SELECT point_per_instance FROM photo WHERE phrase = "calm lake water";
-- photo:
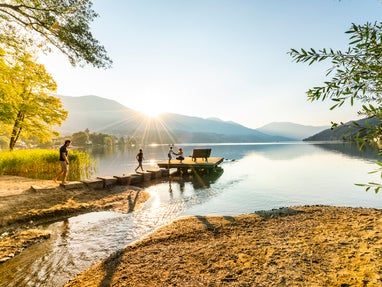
(265, 176)
(253, 177)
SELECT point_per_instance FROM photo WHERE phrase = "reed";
(44, 164)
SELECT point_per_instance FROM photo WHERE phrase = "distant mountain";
(291, 130)
(107, 116)
(97, 114)
(344, 132)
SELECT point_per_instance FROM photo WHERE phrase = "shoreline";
(23, 209)
(291, 246)
(294, 246)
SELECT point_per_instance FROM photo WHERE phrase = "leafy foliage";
(357, 71)
(27, 107)
(63, 24)
(356, 76)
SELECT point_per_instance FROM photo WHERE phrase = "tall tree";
(63, 24)
(31, 111)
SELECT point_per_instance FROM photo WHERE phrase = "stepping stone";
(43, 188)
(146, 175)
(108, 180)
(123, 179)
(155, 173)
(72, 184)
(95, 183)
(136, 178)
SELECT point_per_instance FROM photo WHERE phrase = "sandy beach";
(299, 246)
(23, 208)
(292, 246)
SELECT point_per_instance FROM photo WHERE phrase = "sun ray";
(145, 130)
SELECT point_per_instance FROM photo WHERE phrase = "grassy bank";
(44, 164)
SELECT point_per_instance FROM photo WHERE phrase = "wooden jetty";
(190, 165)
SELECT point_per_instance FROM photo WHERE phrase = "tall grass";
(44, 164)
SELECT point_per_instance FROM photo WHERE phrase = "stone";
(72, 184)
(108, 180)
(156, 173)
(165, 172)
(96, 183)
(43, 188)
(146, 175)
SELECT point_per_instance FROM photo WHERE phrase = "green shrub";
(44, 164)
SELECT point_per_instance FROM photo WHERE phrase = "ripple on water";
(81, 241)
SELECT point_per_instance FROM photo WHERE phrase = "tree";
(357, 77)
(358, 73)
(24, 95)
(63, 24)
(80, 138)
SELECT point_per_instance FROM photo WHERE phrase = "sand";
(22, 208)
(293, 246)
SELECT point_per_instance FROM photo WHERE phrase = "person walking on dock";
(139, 158)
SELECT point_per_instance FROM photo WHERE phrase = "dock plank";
(189, 163)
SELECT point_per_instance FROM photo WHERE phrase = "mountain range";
(345, 132)
(108, 116)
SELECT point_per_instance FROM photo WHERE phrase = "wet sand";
(22, 208)
(294, 246)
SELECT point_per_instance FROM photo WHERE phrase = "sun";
(153, 108)
(150, 107)
(152, 112)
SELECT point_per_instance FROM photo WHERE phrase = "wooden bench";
(201, 153)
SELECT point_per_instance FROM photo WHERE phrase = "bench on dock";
(201, 153)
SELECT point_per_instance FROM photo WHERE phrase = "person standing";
(169, 154)
(64, 161)
(139, 158)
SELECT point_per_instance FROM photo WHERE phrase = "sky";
(223, 59)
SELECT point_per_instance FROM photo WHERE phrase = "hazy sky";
(216, 58)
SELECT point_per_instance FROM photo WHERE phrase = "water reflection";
(198, 181)
(81, 241)
(255, 177)
(122, 160)
(351, 149)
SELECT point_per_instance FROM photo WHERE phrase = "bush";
(44, 164)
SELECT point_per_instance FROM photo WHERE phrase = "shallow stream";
(79, 242)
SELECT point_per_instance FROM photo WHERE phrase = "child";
(139, 158)
(170, 153)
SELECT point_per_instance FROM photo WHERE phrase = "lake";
(264, 176)
(252, 177)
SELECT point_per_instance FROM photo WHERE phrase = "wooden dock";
(199, 166)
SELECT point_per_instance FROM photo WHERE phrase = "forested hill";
(345, 132)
